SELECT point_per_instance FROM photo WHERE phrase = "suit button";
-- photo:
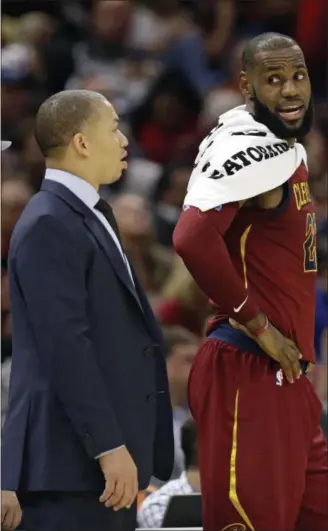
(148, 351)
(151, 398)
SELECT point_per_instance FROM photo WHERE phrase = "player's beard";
(263, 115)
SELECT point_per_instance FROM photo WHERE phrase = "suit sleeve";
(199, 240)
(51, 273)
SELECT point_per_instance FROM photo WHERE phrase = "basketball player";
(248, 236)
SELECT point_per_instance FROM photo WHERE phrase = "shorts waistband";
(238, 339)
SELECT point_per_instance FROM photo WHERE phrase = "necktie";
(107, 212)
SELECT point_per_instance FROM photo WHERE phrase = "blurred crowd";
(170, 68)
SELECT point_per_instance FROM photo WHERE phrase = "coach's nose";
(123, 140)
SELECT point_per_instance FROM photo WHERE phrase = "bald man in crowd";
(89, 417)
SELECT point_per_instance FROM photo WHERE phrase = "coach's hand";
(11, 513)
(278, 347)
(121, 479)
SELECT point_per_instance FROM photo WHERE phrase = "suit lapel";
(112, 253)
(147, 310)
(120, 268)
(98, 230)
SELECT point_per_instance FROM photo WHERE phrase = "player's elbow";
(181, 242)
(184, 235)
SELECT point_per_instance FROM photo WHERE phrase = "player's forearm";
(201, 245)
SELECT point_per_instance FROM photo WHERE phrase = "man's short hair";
(265, 42)
(189, 443)
(62, 116)
(177, 335)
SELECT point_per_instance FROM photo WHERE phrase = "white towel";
(239, 159)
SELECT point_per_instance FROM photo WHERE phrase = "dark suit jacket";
(87, 371)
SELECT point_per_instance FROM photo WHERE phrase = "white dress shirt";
(90, 197)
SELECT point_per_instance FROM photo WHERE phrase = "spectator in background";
(167, 123)
(31, 158)
(226, 95)
(106, 41)
(17, 82)
(168, 197)
(151, 261)
(184, 304)
(106, 61)
(158, 25)
(152, 510)
(321, 330)
(260, 16)
(199, 54)
(52, 46)
(12, 205)
(15, 194)
(180, 347)
(6, 343)
(11, 513)
(322, 302)
(311, 33)
(5, 381)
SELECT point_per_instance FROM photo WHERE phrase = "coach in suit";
(89, 417)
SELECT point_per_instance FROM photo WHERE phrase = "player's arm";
(199, 240)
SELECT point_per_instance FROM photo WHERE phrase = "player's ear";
(245, 86)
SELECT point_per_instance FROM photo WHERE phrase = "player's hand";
(121, 479)
(278, 347)
(11, 512)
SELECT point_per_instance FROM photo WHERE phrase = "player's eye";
(299, 76)
(274, 80)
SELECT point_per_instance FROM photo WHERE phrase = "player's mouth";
(291, 113)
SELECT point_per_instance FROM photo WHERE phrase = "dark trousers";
(62, 511)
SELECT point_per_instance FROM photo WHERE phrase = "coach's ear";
(245, 86)
(79, 143)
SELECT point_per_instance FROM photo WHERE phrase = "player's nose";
(289, 89)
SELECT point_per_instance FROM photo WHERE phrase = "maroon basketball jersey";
(274, 251)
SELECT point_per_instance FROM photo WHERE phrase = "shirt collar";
(79, 187)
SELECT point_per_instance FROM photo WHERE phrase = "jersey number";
(310, 248)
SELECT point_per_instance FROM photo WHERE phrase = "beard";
(263, 115)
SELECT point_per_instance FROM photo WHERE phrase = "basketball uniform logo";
(279, 377)
(234, 527)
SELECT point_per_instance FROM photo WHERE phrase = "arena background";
(170, 68)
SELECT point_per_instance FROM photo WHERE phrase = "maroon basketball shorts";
(263, 457)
